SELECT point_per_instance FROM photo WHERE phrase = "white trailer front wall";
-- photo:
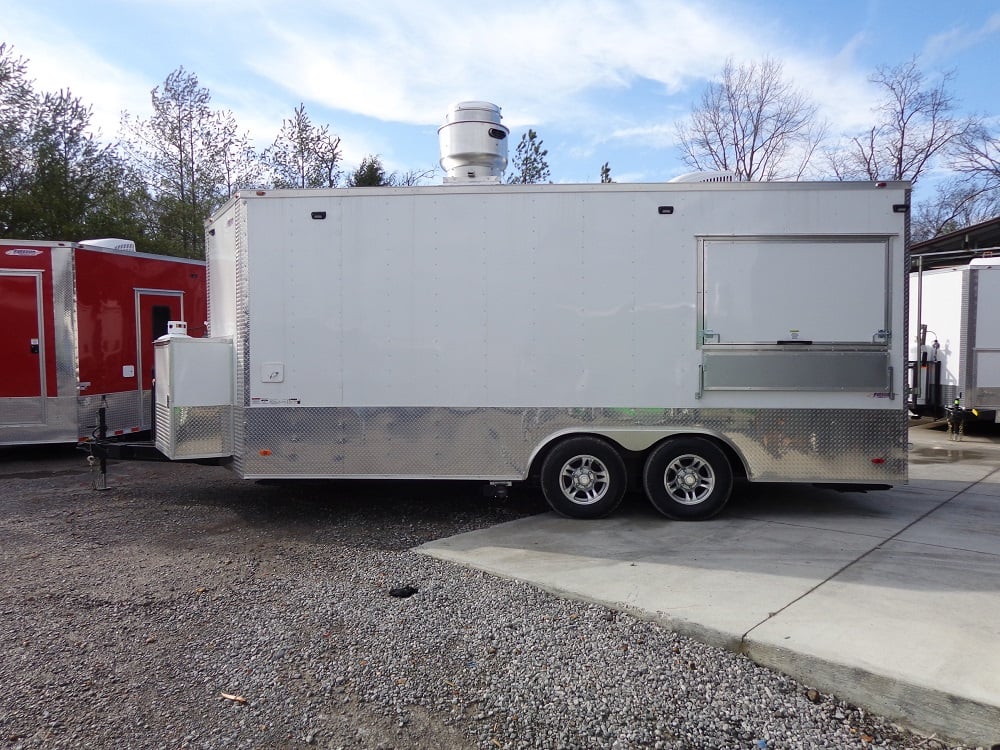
(451, 331)
(936, 302)
(221, 246)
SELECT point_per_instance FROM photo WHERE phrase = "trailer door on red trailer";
(153, 309)
(23, 352)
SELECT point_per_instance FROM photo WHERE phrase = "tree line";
(165, 174)
(753, 123)
(162, 177)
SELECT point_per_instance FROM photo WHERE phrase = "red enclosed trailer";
(78, 325)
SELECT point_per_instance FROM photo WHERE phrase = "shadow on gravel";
(187, 505)
(16, 455)
(374, 514)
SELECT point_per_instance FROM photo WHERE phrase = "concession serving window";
(794, 313)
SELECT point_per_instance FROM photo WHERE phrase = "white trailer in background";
(955, 341)
(676, 335)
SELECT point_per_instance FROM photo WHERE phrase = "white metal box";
(194, 397)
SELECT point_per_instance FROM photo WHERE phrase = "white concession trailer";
(673, 336)
(955, 340)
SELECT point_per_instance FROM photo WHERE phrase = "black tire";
(688, 479)
(583, 477)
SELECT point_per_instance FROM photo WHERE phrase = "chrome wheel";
(689, 479)
(584, 480)
(583, 477)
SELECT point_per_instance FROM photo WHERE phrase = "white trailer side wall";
(518, 298)
(453, 331)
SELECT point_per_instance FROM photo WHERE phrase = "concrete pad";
(877, 513)
(714, 581)
(891, 600)
(911, 631)
(969, 523)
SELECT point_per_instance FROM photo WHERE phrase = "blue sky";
(600, 81)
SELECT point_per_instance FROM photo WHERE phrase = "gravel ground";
(185, 608)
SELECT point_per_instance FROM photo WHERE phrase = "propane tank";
(175, 329)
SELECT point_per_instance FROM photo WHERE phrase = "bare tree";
(606, 173)
(915, 126)
(241, 165)
(958, 202)
(412, 177)
(752, 122)
(976, 156)
(304, 155)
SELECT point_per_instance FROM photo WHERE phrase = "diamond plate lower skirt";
(499, 444)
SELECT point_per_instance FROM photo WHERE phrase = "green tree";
(304, 155)
(529, 163)
(180, 151)
(370, 173)
(16, 102)
(606, 173)
(71, 171)
(752, 122)
(58, 180)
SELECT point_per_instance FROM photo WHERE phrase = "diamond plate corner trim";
(967, 336)
(64, 322)
(241, 340)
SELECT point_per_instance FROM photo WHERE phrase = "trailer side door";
(22, 349)
(153, 309)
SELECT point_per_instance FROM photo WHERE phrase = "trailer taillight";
(265, 452)
(878, 461)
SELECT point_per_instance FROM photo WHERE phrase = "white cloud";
(945, 45)
(539, 61)
(614, 73)
(76, 64)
